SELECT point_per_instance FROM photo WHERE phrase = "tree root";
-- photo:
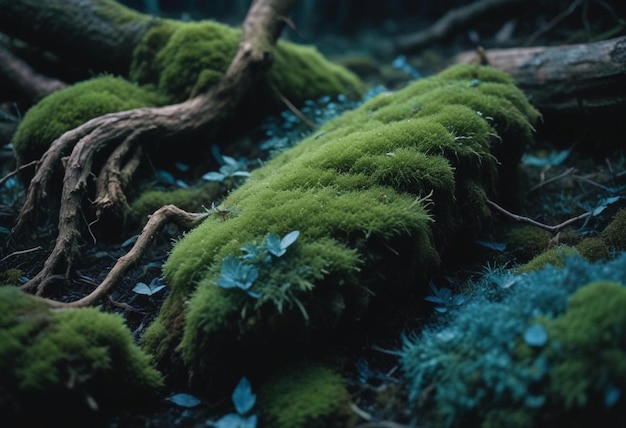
(125, 132)
(161, 217)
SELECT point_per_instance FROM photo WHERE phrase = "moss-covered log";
(378, 196)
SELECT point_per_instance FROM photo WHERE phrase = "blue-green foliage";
(288, 129)
(242, 271)
(243, 399)
(468, 354)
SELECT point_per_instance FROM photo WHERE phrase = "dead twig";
(552, 229)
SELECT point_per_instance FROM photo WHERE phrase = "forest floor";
(557, 182)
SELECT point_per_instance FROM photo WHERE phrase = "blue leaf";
(289, 239)
(182, 167)
(272, 242)
(233, 420)
(498, 246)
(4, 230)
(237, 274)
(243, 398)
(213, 176)
(184, 400)
(142, 288)
(535, 336)
(230, 161)
(612, 396)
(129, 241)
(165, 176)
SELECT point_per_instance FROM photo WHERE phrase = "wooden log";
(580, 89)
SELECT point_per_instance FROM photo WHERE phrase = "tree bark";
(101, 34)
(578, 88)
(131, 129)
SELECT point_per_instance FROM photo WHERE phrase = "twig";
(552, 179)
(17, 253)
(554, 22)
(308, 122)
(161, 217)
(552, 229)
(12, 173)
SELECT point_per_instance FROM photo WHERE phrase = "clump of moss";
(374, 195)
(554, 256)
(68, 108)
(615, 233)
(69, 364)
(10, 277)
(589, 361)
(190, 199)
(593, 249)
(526, 241)
(306, 396)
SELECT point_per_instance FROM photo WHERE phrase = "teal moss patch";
(68, 108)
(60, 365)
(375, 195)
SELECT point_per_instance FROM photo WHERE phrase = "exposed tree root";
(125, 132)
(161, 217)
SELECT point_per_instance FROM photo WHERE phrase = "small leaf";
(165, 176)
(182, 167)
(4, 230)
(129, 241)
(240, 174)
(289, 239)
(498, 246)
(243, 398)
(612, 396)
(184, 400)
(142, 288)
(535, 336)
(213, 176)
(228, 160)
(233, 420)
(272, 242)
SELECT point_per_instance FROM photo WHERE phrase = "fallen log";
(580, 89)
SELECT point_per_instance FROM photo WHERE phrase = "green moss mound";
(615, 233)
(69, 364)
(309, 396)
(589, 363)
(182, 59)
(375, 195)
(66, 109)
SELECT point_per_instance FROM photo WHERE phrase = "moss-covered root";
(310, 396)
(68, 365)
(588, 362)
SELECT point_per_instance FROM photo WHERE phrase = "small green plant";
(444, 299)
(230, 170)
(150, 289)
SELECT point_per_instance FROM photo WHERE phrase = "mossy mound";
(182, 59)
(376, 195)
(309, 396)
(615, 233)
(66, 365)
(66, 109)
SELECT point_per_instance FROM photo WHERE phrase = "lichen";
(83, 358)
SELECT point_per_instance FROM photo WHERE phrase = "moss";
(10, 277)
(554, 256)
(615, 233)
(190, 199)
(526, 241)
(306, 396)
(83, 358)
(593, 249)
(375, 195)
(182, 59)
(589, 358)
(68, 108)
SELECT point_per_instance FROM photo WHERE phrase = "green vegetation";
(62, 365)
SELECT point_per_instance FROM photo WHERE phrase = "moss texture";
(309, 396)
(176, 60)
(182, 59)
(376, 197)
(66, 109)
(615, 233)
(84, 359)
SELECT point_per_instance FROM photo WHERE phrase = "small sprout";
(536, 336)
(255, 253)
(184, 400)
(444, 299)
(236, 274)
(154, 287)
(230, 169)
(474, 82)
(278, 246)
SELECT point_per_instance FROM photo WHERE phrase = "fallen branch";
(455, 21)
(131, 129)
(163, 216)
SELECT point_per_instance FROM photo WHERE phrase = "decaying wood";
(457, 20)
(131, 129)
(161, 217)
(583, 84)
